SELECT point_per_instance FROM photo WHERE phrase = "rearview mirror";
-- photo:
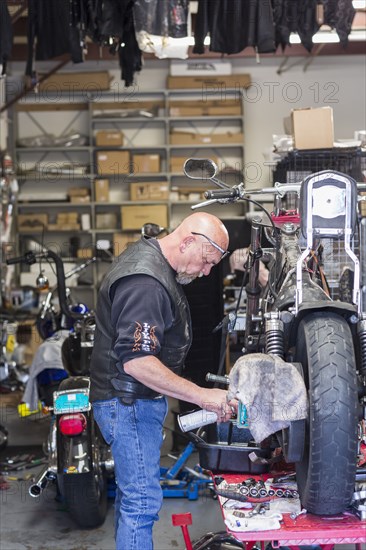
(200, 169)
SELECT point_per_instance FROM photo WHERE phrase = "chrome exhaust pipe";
(44, 477)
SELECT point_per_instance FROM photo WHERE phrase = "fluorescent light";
(320, 38)
(324, 37)
(189, 40)
(357, 35)
(359, 4)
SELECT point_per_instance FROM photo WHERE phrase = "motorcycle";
(314, 321)
(79, 460)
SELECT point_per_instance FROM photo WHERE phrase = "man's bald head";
(208, 224)
(195, 246)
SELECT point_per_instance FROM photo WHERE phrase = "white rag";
(272, 391)
(47, 356)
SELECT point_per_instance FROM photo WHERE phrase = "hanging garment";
(234, 25)
(49, 32)
(117, 23)
(6, 36)
(298, 16)
(162, 26)
(161, 17)
(339, 15)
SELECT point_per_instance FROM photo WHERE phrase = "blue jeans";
(135, 434)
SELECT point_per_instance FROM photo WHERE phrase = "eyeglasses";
(215, 245)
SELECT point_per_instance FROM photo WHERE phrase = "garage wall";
(338, 81)
(333, 80)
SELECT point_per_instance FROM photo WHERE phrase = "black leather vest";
(108, 378)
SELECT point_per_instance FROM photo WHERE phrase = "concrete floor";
(44, 524)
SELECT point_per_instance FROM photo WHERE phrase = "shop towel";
(272, 390)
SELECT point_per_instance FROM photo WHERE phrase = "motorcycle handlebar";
(233, 193)
(17, 260)
(28, 258)
(31, 258)
(217, 378)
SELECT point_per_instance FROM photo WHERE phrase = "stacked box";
(149, 191)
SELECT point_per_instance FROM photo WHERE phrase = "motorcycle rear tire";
(326, 474)
(86, 494)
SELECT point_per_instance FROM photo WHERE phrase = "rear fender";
(75, 453)
(343, 309)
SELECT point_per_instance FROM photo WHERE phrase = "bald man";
(143, 334)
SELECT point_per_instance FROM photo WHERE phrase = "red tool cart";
(292, 528)
(305, 529)
(295, 530)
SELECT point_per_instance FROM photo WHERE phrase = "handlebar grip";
(16, 260)
(217, 378)
(28, 258)
(232, 193)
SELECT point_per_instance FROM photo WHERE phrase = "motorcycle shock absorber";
(361, 330)
(275, 337)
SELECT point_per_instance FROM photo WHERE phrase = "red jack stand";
(183, 520)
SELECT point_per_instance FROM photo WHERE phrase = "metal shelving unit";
(142, 134)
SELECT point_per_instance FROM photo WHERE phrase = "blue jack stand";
(180, 481)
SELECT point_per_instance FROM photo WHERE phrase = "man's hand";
(216, 400)
(151, 372)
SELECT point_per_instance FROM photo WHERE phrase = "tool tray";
(226, 448)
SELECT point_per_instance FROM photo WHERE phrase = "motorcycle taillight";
(72, 424)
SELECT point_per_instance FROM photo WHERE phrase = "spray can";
(195, 419)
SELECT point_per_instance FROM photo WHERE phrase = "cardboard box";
(79, 195)
(146, 163)
(134, 217)
(29, 223)
(362, 204)
(84, 253)
(122, 240)
(106, 221)
(149, 191)
(206, 107)
(193, 138)
(76, 199)
(113, 162)
(78, 191)
(313, 128)
(89, 81)
(110, 138)
(200, 67)
(67, 217)
(101, 190)
(64, 227)
(177, 162)
(235, 81)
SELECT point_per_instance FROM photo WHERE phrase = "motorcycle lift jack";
(181, 481)
(178, 481)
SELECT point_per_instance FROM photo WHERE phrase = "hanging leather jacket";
(297, 16)
(339, 15)
(117, 22)
(6, 35)
(161, 17)
(49, 24)
(234, 25)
